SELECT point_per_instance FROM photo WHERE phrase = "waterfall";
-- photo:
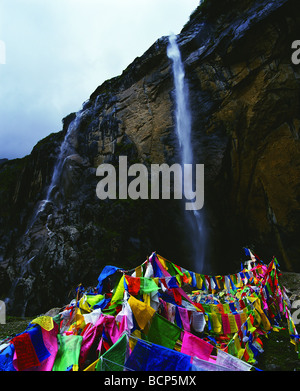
(183, 120)
(67, 148)
(182, 114)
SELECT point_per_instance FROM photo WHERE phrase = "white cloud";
(59, 51)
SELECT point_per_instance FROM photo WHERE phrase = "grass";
(14, 325)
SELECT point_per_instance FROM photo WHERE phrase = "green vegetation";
(14, 325)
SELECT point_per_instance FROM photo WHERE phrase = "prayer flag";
(106, 272)
(26, 356)
(195, 346)
(114, 358)
(67, 356)
(162, 332)
(163, 359)
(142, 312)
(46, 322)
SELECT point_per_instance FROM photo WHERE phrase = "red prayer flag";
(177, 296)
(26, 355)
(134, 284)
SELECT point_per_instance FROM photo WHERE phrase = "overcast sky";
(58, 51)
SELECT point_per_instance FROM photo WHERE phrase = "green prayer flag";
(114, 358)
(148, 285)
(171, 269)
(111, 309)
(162, 332)
(177, 270)
(94, 299)
(68, 353)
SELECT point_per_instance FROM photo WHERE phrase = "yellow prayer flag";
(91, 367)
(293, 342)
(142, 312)
(138, 271)
(239, 282)
(239, 294)
(251, 328)
(146, 298)
(132, 340)
(232, 323)
(216, 324)
(237, 343)
(178, 279)
(162, 261)
(79, 319)
(251, 359)
(264, 320)
(256, 305)
(243, 317)
(226, 308)
(257, 317)
(215, 308)
(83, 304)
(156, 280)
(241, 353)
(198, 280)
(118, 295)
(46, 322)
(219, 282)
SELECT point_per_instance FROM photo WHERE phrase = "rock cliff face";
(244, 92)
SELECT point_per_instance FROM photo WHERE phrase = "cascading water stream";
(67, 148)
(183, 116)
(183, 129)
